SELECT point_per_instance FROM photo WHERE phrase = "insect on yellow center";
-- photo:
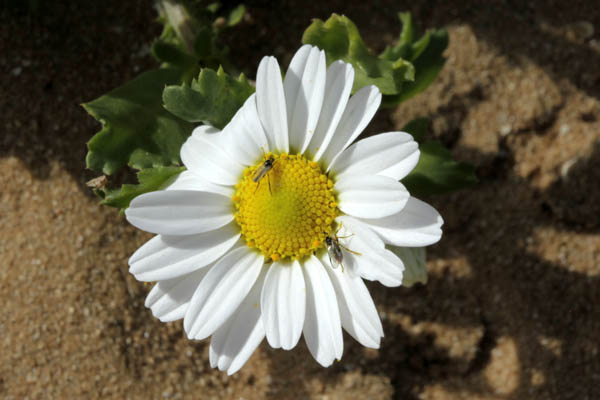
(285, 212)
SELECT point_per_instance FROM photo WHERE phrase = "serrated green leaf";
(428, 63)
(402, 48)
(417, 128)
(149, 179)
(340, 39)
(426, 57)
(212, 98)
(236, 15)
(137, 131)
(438, 173)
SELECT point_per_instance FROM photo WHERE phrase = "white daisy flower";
(279, 218)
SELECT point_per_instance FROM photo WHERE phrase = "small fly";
(334, 248)
(263, 170)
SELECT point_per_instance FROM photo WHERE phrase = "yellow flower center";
(283, 206)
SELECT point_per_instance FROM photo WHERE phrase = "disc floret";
(285, 213)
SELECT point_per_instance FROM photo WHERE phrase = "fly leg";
(257, 185)
(269, 180)
(351, 251)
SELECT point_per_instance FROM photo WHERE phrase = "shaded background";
(512, 307)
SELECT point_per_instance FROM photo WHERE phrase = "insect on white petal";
(334, 248)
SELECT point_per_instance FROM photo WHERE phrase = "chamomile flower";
(244, 236)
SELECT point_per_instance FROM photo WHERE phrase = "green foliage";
(137, 131)
(174, 48)
(236, 15)
(425, 55)
(340, 39)
(150, 179)
(438, 173)
(417, 128)
(146, 121)
(399, 72)
(212, 98)
(415, 266)
(190, 33)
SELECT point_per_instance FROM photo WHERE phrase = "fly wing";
(335, 255)
(259, 173)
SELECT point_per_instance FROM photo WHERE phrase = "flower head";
(279, 218)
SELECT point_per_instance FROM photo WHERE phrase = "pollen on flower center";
(285, 213)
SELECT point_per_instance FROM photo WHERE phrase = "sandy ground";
(512, 308)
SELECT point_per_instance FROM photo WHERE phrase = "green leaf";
(438, 173)
(212, 98)
(417, 128)
(408, 32)
(402, 47)
(340, 39)
(178, 43)
(400, 72)
(426, 57)
(415, 265)
(150, 179)
(236, 15)
(174, 56)
(203, 44)
(180, 27)
(428, 62)
(137, 131)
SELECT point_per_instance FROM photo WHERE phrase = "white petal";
(283, 304)
(234, 342)
(167, 257)
(169, 299)
(357, 311)
(203, 154)
(416, 225)
(415, 267)
(304, 87)
(222, 291)
(245, 136)
(179, 212)
(375, 262)
(370, 196)
(270, 103)
(322, 327)
(358, 113)
(392, 154)
(339, 80)
(187, 180)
